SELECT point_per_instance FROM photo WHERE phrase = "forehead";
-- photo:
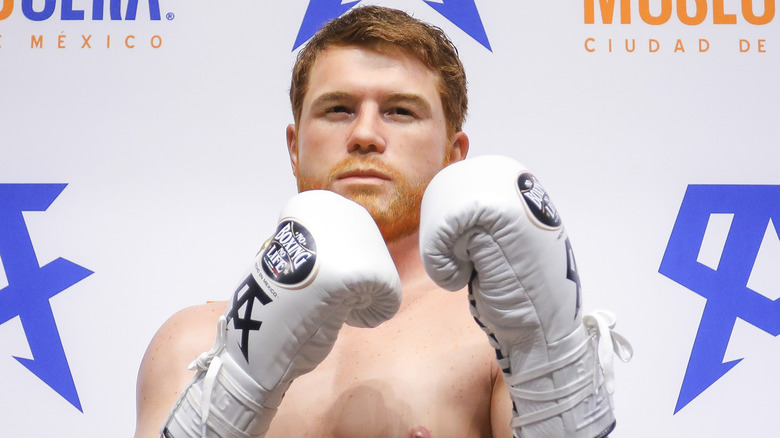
(374, 69)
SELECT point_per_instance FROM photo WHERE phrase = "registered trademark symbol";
(170, 16)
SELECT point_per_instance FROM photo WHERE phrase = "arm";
(500, 406)
(163, 371)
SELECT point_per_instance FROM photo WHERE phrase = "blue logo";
(30, 286)
(462, 13)
(36, 12)
(725, 288)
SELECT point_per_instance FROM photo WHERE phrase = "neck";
(406, 256)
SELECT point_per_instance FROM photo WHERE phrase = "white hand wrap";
(326, 264)
(488, 223)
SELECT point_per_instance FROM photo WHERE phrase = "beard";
(397, 213)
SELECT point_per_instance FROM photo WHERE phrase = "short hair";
(377, 27)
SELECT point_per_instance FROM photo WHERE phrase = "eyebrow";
(330, 97)
(416, 100)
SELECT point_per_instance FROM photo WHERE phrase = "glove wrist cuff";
(563, 391)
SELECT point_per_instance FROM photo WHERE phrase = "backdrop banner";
(143, 162)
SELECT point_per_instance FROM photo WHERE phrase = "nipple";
(419, 432)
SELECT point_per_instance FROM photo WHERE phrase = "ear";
(292, 147)
(459, 147)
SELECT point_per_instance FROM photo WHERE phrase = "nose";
(367, 135)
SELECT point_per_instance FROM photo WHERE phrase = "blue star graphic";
(30, 286)
(462, 13)
(725, 289)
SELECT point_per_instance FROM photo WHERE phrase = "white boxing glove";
(326, 264)
(488, 223)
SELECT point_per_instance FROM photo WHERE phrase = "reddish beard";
(397, 214)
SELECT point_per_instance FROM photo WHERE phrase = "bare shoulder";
(187, 326)
(182, 337)
(163, 372)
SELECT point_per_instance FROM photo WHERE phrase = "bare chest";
(411, 377)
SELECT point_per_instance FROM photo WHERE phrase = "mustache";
(368, 165)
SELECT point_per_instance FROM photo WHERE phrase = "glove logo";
(538, 201)
(573, 275)
(290, 256)
(755, 212)
(247, 293)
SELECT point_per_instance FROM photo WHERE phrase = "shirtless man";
(378, 101)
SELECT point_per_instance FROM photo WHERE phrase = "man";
(378, 100)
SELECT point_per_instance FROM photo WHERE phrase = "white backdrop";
(175, 164)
